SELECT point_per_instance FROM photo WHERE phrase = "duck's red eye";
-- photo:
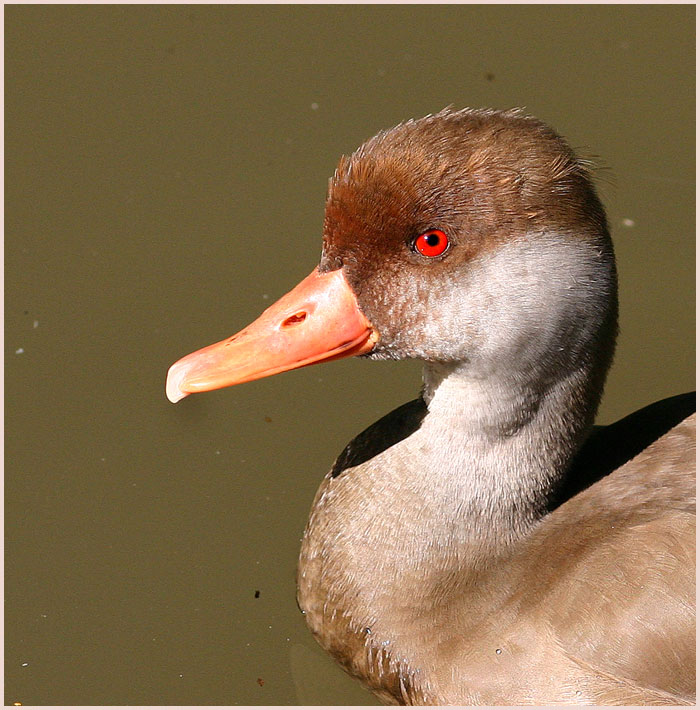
(431, 243)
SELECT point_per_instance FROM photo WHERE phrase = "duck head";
(470, 239)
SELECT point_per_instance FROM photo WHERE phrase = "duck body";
(484, 544)
(593, 605)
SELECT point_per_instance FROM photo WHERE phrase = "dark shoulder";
(610, 447)
(383, 434)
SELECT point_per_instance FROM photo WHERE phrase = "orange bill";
(318, 320)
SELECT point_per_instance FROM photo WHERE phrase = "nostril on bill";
(295, 319)
(232, 339)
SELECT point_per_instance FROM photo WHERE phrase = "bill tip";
(173, 384)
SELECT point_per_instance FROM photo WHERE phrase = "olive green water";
(166, 169)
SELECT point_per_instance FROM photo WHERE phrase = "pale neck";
(505, 443)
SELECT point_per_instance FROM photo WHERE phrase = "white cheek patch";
(524, 301)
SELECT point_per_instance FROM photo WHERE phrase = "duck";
(485, 543)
